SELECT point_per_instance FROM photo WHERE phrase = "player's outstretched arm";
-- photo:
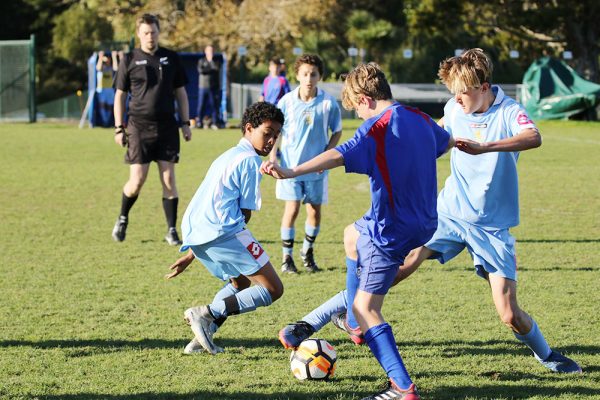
(327, 160)
(180, 265)
(525, 140)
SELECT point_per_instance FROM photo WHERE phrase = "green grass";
(84, 317)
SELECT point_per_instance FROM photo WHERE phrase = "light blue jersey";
(305, 133)
(483, 189)
(231, 183)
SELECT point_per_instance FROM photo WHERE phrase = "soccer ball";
(313, 359)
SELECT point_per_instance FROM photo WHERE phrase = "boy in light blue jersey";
(396, 147)
(479, 202)
(310, 114)
(214, 230)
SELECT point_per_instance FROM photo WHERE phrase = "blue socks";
(351, 288)
(383, 346)
(534, 339)
(244, 301)
(320, 316)
(310, 235)
(287, 241)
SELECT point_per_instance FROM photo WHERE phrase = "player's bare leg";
(525, 329)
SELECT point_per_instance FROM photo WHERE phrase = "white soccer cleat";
(193, 347)
(200, 320)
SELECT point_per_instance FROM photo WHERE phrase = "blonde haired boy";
(396, 147)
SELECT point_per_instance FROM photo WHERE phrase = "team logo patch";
(255, 249)
(523, 119)
(164, 60)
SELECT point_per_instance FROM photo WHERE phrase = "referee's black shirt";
(151, 81)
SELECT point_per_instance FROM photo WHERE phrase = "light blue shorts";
(311, 192)
(492, 251)
(231, 257)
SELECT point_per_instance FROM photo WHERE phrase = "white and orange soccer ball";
(313, 359)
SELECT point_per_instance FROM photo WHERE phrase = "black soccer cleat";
(308, 259)
(288, 265)
(120, 229)
(172, 237)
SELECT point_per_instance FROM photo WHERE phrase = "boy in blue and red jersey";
(275, 85)
(396, 147)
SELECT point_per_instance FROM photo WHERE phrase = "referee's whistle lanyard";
(159, 72)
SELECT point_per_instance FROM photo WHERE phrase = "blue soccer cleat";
(292, 335)
(556, 362)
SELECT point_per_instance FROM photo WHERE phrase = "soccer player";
(396, 147)
(275, 85)
(309, 115)
(214, 230)
(154, 77)
(479, 202)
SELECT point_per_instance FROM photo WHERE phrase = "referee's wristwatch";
(119, 129)
(185, 123)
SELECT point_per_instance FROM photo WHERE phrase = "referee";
(154, 78)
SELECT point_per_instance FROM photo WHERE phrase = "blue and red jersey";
(397, 149)
(274, 87)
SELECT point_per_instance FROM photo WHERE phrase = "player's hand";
(187, 133)
(275, 170)
(180, 265)
(470, 146)
(121, 139)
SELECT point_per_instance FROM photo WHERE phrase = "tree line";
(68, 31)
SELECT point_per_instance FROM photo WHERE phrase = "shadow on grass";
(209, 395)
(559, 240)
(453, 347)
(513, 391)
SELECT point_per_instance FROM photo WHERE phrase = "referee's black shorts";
(152, 141)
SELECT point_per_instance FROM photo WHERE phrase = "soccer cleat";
(292, 335)
(172, 237)
(120, 229)
(200, 320)
(393, 392)
(194, 346)
(288, 265)
(308, 259)
(356, 335)
(556, 362)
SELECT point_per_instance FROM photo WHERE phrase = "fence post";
(32, 104)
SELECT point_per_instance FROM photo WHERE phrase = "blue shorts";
(492, 250)
(376, 269)
(231, 257)
(311, 192)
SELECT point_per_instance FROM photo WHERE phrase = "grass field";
(83, 317)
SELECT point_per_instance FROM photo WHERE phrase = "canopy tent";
(553, 90)
(99, 107)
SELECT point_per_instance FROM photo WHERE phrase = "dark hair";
(147, 19)
(311, 59)
(276, 60)
(260, 112)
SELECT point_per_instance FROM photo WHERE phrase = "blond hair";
(365, 79)
(470, 70)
